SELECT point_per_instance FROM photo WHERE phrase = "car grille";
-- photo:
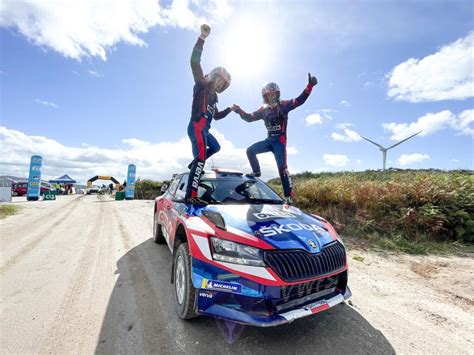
(295, 265)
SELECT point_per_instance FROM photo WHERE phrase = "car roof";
(215, 173)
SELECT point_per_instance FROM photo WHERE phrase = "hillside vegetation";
(148, 189)
(401, 205)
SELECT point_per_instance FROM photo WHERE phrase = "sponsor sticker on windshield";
(221, 286)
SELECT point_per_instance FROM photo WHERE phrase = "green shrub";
(439, 205)
(148, 189)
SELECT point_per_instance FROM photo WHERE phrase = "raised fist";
(205, 30)
(312, 80)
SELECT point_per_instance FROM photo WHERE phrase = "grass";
(8, 210)
(412, 211)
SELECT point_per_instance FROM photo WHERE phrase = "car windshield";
(232, 190)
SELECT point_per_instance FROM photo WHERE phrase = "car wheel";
(185, 293)
(158, 236)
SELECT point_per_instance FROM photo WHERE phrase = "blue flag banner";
(34, 180)
(130, 191)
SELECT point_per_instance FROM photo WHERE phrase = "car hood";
(284, 227)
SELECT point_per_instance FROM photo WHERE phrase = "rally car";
(247, 257)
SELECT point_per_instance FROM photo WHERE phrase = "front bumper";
(231, 297)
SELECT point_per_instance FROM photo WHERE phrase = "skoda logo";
(312, 244)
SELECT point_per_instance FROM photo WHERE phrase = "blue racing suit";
(204, 109)
(276, 119)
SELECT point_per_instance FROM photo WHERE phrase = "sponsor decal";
(275, 229)
(274, 214)
(221, 285)
(206, 294)
(274, 128)
(290, 181)
(197, 175)
(315, 305)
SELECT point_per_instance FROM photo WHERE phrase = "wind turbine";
(384, 150)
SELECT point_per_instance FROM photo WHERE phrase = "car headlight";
(231, 252)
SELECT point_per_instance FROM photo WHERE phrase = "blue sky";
(95, 88)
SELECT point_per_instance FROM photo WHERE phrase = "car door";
(177, 205)
(164, 210)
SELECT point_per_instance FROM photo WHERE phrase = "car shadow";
(140, 318)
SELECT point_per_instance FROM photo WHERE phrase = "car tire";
(158, 236)
(185, 293)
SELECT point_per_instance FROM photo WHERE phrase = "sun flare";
(247, 50)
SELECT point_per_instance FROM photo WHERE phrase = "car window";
(236, 190)
(181, 190)
(172, 189)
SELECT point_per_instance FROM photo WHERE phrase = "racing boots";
(289, 201)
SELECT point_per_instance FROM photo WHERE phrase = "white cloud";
(319, 116)
(46, 103)
(465, 122)
(156, 161)
(344, 103)
(432, 123)
(313, 119)
(86, 28)
(407, 159)
(445, 75)
(94, 73)
(348, 136)
(337, 160)
(428, 124)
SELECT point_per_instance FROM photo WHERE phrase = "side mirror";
(164, 187)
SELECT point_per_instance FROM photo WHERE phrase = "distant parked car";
(21, 188)
(92, 190)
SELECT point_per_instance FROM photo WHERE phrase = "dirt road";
(81, 275)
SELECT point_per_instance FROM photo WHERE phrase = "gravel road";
(82, 275)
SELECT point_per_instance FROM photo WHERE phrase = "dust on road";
(82, 275)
